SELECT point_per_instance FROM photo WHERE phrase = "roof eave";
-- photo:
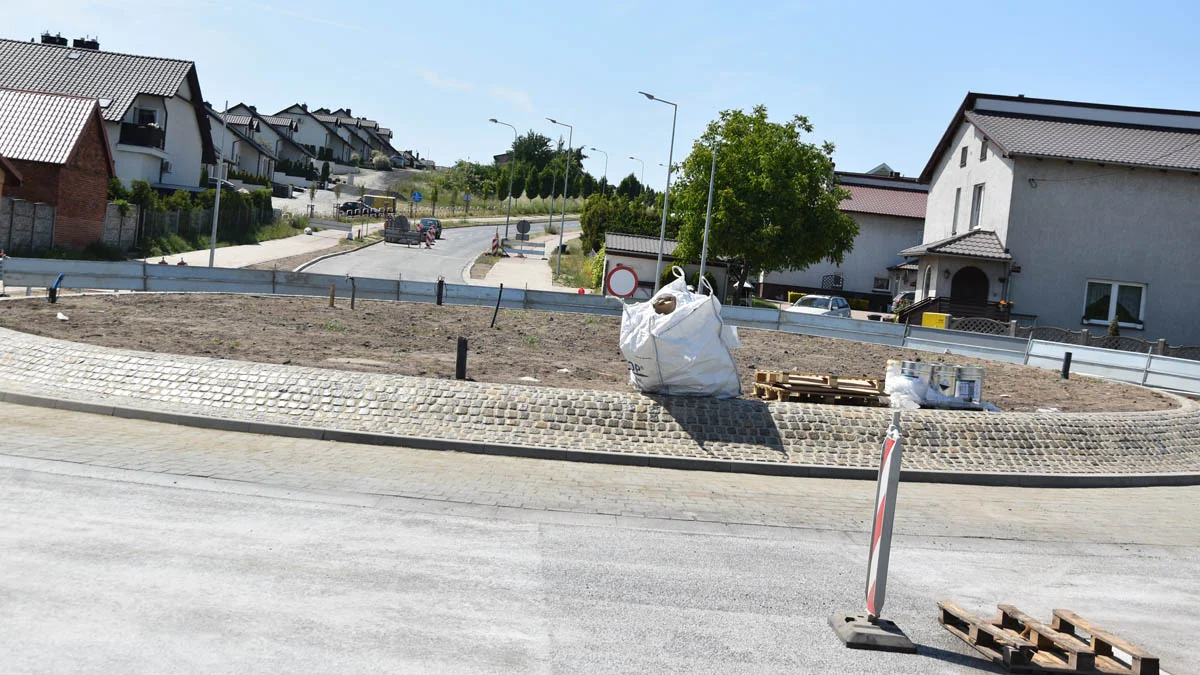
(208, 154)
(1105, 162)
(944, 144)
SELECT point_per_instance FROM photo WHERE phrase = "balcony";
(142, 135)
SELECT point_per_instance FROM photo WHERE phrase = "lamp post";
(512, 161)
(212, 239)
(566, 186)
(605, 170)
(712, 175)
(662, 232)
(643, 180)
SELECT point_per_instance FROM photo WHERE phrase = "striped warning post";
(885, 510)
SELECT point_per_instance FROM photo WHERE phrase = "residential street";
(134, 546)
(450, 257)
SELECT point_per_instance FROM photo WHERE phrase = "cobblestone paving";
(1162, 516)
(614, 422)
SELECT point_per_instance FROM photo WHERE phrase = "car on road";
(225, 185)
(357, 209)
(905, 298)
(436, 224)
(824, 305)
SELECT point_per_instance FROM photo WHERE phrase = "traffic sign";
(621, 281)
(467, 197)
(523, 226)
(416, 196)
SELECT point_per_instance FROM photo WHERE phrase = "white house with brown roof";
(153, 108)
(890, 212)
(234, 134)
(321, 138)
(275, 134)
(1074, 212)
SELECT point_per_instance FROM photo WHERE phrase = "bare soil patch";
(419, 339)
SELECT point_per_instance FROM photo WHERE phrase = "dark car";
(436, 224)
(225, 185)
(357, 209)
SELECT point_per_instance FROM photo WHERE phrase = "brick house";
(9, 176)
(58, 147)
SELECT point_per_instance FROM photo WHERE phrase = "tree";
(532, 148)
(325, 172)
(144, 196)
(547, 183)
(337, 191)
(362, 190)
(203, 177)
(776, 204)
(630, 187)
(518, 182)
(533, 183)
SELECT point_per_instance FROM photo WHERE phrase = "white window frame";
(962, 156)
(885, 288)
(983, 149)
(957, 201)
(1112, 303)
(976, 205)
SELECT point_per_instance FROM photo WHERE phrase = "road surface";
(450, 257)
(131, 546)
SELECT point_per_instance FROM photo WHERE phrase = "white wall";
(311, 132)
(131, 165)
(995, 173)
(880, 239)
(1086, 221)
(184, 145)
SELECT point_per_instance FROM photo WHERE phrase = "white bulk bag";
(685, 352)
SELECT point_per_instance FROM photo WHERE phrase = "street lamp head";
(552, 121)
(649, 96)
(493, 120)
(593, 149)
(632, 157)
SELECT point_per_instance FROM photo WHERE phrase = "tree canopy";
(776, 199)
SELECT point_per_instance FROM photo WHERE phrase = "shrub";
(204, 176)
(756, 302)
(597, 268)
(860, 304)
(117, 191)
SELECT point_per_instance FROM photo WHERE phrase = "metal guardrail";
(1173, 374)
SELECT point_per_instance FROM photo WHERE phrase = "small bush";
(757, 302)
(860, 304)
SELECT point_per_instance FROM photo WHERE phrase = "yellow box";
(935, 320)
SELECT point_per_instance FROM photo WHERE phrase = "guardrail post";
(1066, 366)
(399, 280)
(1012, 328)
(273, 273)
(441, 289)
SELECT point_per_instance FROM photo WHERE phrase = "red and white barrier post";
(869, 631)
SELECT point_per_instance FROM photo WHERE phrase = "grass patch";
(335, 326)
(575, 271)
(483, 264)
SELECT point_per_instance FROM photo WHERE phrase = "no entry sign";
(621, 281)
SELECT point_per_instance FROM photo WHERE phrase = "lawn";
(576, 269)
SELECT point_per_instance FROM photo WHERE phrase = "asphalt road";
(130, 546)
(449, 257)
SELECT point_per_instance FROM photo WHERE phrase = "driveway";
(451, 257)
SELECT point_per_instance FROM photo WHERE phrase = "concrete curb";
(1031, 480)
(327, 256)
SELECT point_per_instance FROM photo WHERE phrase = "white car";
(825, 305)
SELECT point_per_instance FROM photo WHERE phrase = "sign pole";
(870, 631)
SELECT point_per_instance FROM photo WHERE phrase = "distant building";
(54, 151)
(640, 253)
(153, 109)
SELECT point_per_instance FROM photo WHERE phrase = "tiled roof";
(636, 243)
(973, 244)
(243, 120)
(1091, 141)
(385, 132)
(108, 76)
(886, 201)
(328, 119)
(241, 134)
(38, 127)
(276, 121)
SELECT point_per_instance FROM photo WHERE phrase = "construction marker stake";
(885, 511)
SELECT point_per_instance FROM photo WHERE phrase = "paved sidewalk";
(700, 501)
(253, 254)
(531, 272)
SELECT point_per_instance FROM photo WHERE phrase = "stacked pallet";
(1022, 644)
(771, 385)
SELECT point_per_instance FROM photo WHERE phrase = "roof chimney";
(85, 43)
(304, 107)
(348, 113)
(48, 39)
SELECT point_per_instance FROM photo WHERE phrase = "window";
(983, 150)
(881, 285)
(976, 205)
(1106, 299)
(954, 223)
(146, 116)
(962, 159)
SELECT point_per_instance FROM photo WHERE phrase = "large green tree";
(776, 202)
(630, 187)
(533, 148)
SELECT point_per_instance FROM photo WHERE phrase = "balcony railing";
(142, 135)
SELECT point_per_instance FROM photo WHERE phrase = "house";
(153, 108)
(55, 151)
(374, 137)
(276, 134)
(234, 135)
(349, 132)
(641, 254)
(1076, 213)
(321, 139)
(890, 212)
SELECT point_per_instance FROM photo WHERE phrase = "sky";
(880, 80)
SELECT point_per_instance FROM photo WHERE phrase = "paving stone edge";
(327, 256)
(1030, 480)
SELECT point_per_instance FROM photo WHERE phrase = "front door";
(969, 284)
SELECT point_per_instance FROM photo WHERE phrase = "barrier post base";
(858, 631)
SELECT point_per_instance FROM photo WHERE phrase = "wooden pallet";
(773, 385)
(1022, 644)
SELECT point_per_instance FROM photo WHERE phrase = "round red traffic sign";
(621, 281)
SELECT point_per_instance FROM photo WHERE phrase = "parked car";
(825, 305)
(905, 298)
(225, 185)
(358, 209)
(434, 223)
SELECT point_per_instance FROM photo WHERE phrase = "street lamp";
(662, 233)
(566, 184)
(605, 169)
(512, 160)
(643, 168)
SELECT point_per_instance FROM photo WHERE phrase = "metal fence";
(1150, 369)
